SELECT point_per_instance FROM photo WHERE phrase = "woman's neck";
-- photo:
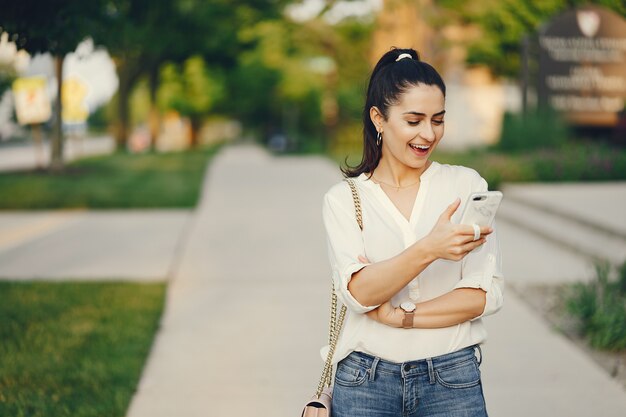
(398, 175)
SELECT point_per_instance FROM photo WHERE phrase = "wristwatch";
(409, 312)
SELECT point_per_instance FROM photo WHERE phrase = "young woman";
(415, 282)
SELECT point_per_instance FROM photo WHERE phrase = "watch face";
(407, 306)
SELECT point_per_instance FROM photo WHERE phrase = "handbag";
(319, 404)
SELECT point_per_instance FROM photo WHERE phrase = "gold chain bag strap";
(319, 404)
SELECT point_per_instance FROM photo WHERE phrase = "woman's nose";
(428, 133)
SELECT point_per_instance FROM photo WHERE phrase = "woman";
(415, 282)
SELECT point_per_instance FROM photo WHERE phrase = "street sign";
(75, 110)
(32, 104)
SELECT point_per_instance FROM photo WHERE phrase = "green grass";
(74, 349)
(114, 181)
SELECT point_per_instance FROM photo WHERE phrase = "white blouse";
(386, 233)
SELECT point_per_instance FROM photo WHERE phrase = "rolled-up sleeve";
(482, 268)
(345, 244)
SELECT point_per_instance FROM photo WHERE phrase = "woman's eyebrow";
(441, 113)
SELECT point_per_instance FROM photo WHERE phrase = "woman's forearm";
(378, 282)
(455, 307)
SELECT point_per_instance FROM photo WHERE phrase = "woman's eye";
(437, 122)
(414, 123)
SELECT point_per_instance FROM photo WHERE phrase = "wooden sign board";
(582, 66)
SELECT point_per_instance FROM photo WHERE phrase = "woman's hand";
(386, 314)
(453, 241)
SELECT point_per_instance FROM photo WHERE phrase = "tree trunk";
(123, 92)
(196, 124)
(56, 154)
(128, 72)
(153, 117)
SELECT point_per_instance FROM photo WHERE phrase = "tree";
(305, 79)
(142, 35)
(193, 92)
(57, 27)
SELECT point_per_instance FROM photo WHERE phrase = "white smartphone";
(481, 208)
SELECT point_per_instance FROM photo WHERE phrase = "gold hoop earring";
(379, 139)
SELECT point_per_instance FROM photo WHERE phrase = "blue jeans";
(444, 386)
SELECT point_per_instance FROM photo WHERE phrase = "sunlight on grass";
(74, 349)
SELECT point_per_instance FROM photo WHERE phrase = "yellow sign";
(32, 104)
(74, 108)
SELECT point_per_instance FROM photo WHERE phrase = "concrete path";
(588, 219)
(247, 308)
(599, 204)
(138, 245)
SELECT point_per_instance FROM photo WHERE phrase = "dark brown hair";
(389, 80)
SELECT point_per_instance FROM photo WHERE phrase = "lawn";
(119, 180)
(74, 349)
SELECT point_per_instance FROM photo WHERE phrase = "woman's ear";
(377, 118)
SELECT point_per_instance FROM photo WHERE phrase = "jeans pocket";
(350, 373)
(462, 375)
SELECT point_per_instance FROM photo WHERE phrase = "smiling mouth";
(421, 148)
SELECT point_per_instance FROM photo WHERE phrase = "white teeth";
(421, 147)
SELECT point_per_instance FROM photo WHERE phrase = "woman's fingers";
(465, 229)
(449, 211)
(471, 245)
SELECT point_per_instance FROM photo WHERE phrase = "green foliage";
(50, 26)
(74, 349)
(113, 181)
(621, 281)
(573, 161)
(580, 162)
(537, 129)
(253, 87)
(600, 307)
(191, 89)
(293, 72)
(274, 87)
(98, 120)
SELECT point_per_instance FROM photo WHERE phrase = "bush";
(600, 307)
(535, 130)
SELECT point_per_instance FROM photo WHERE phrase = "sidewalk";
(247, 308)
(139, 245)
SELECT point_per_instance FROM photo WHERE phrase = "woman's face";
(414, 126)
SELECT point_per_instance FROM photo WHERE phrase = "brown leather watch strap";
(407, 322)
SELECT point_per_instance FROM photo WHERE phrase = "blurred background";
(174, 75)
(122, 122)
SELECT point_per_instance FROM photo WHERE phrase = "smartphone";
(481, 208)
